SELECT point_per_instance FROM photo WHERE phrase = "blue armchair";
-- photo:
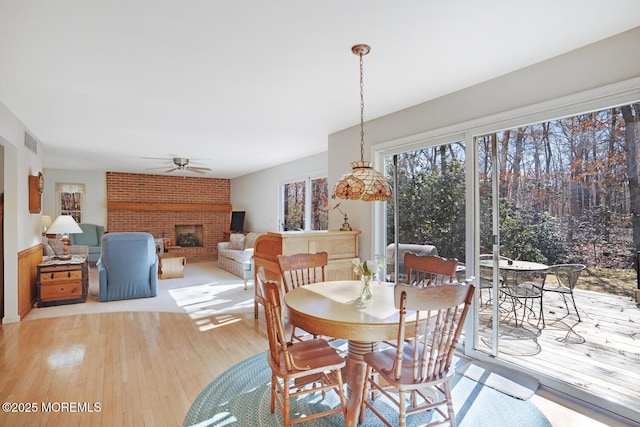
(128, 266)
(91, 236)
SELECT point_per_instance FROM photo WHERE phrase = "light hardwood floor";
(142, 368)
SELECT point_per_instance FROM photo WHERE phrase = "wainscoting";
(28, 261)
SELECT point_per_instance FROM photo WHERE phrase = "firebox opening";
(189, 236)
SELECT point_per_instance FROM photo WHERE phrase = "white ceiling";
(241, 85)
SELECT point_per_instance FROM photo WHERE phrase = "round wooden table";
(333, 309)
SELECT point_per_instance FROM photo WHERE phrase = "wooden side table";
(62, 281)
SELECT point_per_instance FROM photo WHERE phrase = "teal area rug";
(241, 397)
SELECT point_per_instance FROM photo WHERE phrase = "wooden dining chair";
(302, 269)
(408, 374)
(299, 270)
(424, 270)
(300, 368)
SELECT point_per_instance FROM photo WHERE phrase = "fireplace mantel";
(178, 207)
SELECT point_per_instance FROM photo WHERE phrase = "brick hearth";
(156, 203)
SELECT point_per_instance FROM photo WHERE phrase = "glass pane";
(294, 202)
(71, 204)
(319, 200)
(431, 204)
(568, 193)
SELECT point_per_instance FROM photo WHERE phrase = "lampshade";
(363, 182)
(64, 224)
(46, 221)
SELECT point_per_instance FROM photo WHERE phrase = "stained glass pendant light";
(363, 182)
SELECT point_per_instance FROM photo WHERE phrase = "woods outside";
(568, 192)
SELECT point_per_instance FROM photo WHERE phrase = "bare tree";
(631, 115)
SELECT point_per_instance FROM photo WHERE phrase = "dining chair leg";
(285, 409)
(402, 418)
(273, 393)
(447, 393)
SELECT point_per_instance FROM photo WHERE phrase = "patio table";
(511, 271)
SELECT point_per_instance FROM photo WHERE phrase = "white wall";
(94, 199)
(21, 228)
(258, 194)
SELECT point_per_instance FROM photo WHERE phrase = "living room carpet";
(241, 397)
(205, 290)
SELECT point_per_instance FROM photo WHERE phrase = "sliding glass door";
(553, 196)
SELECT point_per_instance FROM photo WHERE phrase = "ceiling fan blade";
(171, 170)
(198, 169)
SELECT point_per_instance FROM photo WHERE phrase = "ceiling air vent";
(31, 142)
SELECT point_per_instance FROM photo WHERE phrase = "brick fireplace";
(189, 236)
(163, 205)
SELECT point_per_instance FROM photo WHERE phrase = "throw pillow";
(236, 241)
(47, 249)
(57, 246)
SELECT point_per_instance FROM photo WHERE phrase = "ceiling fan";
(182, 164)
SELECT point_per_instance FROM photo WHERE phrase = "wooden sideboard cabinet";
(342, 247)
(62, 281)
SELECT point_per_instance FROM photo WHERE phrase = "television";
(237, 221)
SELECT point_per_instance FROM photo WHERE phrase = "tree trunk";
(517, 161)
(631, 115)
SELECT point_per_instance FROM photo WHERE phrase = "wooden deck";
(600, 354)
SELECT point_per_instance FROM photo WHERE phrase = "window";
(69, 200)
(301, 212)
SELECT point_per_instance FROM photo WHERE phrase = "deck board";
(600, 354)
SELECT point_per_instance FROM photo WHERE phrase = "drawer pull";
(68, 274)
(52, 275)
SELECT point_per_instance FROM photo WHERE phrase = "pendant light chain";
(361, 108)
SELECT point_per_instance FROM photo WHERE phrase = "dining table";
(334, 309)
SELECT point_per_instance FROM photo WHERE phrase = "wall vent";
(31, 142)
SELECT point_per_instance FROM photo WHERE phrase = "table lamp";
(64, 225)
(46, 223)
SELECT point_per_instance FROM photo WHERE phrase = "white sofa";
(236, 255)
